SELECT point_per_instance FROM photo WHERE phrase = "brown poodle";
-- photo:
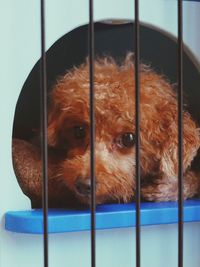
(115, 134)
(68, 134)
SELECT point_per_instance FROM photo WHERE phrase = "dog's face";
(69, 127)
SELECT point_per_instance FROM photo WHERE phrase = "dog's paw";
(160, 191)
(166, 189)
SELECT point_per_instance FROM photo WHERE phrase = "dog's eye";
(79, 132)
(126, 140)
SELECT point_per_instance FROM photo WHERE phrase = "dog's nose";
(83, 187)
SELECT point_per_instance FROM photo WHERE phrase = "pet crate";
(21, 241)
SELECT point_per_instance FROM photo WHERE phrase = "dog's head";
(69, 127)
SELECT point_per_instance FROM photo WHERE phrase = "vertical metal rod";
(44, 149)
(92, 135)
(137, 130)
(180, 134)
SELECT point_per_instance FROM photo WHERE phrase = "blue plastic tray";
(107, 217)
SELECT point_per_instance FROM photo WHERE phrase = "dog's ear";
(159, 128)
(159, 141)
(52, 126)
(169, 159)
(56, 124)
(191, 143)
(28, 168)
(55, 114)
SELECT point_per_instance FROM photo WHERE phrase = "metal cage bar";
(137, 131)
(44, 149)
(92, 135)
(180, 133)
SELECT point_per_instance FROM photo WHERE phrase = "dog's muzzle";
(83, 186)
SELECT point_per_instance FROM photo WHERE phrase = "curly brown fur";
(115, 116)
(27, 164)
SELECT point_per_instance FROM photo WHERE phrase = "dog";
(114, 93)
